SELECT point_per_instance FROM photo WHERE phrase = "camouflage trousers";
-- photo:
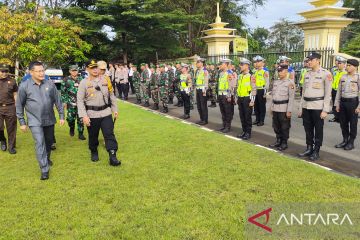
(72, 116)
(155, 95)
(178, 91)
(137, 90)
(145, 90)
(164, 96)
(212, 92)
(171, 91)
(192, 98)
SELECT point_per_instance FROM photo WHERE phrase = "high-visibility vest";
(183, 82)
(260, 78)
(337, 76)
(244, 85)
(200, 78)
(303, 72)
(223, 83)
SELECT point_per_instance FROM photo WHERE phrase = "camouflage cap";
(178, 62)
(162, 65)
(135, 66)
(152, 66)
(143, 64)
(73, 67)
(4, 66)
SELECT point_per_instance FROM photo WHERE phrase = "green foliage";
(351, 35)
(26, 37)
(353, 46)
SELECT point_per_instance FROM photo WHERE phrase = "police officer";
(261, 77)
(226, 84)
(185, 89)
(246, 93)
(338, 73)
(69, 89)
(8, 92)
(201, 85)
(283, 94)
(315, 105)
(96, 103)
(347, 104)
(285, 61)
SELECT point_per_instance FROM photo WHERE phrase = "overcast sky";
(273, 10)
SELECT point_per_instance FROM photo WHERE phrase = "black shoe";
(255, 123)
(12, 150)
(309, 150)
(50, 162)
(94, 156)
(156, 106)
(199, 122)
(82, 137)
(334, 120)
(180, 104)
(276, 144)
(3, 146)
(113, 161)
(226, 130)
(203, 123)
(342, 144)
(283, 146)
(138, 101)
(349, 146)
(247, 136)
(147, 104)
(241, 135)
(166, 110)
(72, 132)
(186, 116)
(221, 129)
(44, 176)
(53, 146)
(260, 124)
(315, 154)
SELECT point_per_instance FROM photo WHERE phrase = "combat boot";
(147, 104)
(283, 146)
(276, 144)
(82, 137)
(3, 146)
(307, 152)
(138, 101)
(72, 131)
(94, 156)
(156, 106)
(315, 154)
(247, 136)
(113, 161)
(350, 145)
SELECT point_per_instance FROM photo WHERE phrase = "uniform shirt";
(8, 87)
(88, 96)
(121, 75)
(317, 84)
(131, 72)
(38, 101)
(349, 87)
(206, 78)
(69, 89)
(144, 76)
(283, 90)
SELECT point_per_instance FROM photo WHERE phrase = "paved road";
(347, 162)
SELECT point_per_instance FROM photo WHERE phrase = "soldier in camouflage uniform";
(164, 88)
(136, 83)
(69, 89)
(145, 84)
(171, 76)
(154, 87)
(212, 85)
(177, 85)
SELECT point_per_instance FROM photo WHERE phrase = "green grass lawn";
(176, 182)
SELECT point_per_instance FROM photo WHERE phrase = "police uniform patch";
(316, 85)
(329, 77)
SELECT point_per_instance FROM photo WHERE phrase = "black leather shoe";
(256, 123)
(82, 137)
(186, 116)
(203, 123)
(138, 102)
(221, 129)
(241, 135)
(276, 144)
(12, 151)
(50, 162)
(113, 161)
(3, 146)
(72, 132)
(247, 136)
(307, 152)
(342, 144)
(146, 104)
(94, 156)
(315, 154)
(44, 176)
(226, 130)
(156, 106)
(283, 146)
(349, 146)
(260, 124)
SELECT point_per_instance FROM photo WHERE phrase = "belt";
(313, 99)
(354, 99)
(6, 104)
(96, 108)
(281, 102)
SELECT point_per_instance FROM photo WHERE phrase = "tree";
(260, 35)
(25, 37)
(284, 36)
(351, 35)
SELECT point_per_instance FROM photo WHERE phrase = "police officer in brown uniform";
(283, 94)
(315, 105)
(96, 102)
(8, 91)
(347, 104)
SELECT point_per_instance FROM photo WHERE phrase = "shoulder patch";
(329, 76)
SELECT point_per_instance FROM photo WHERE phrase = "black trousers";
(202, 107)
(227, 111)
(245, 112)
(131, 85)
(8, 116)
(106, 125)
(281, 125)
(260, 105)
(348, 119)
(314, 127)
(186, 99)
(123, 89)
(333, 96)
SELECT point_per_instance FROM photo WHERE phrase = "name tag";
(316, 85)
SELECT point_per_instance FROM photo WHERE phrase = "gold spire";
(218, 18)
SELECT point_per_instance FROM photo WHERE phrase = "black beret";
(353, 62)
